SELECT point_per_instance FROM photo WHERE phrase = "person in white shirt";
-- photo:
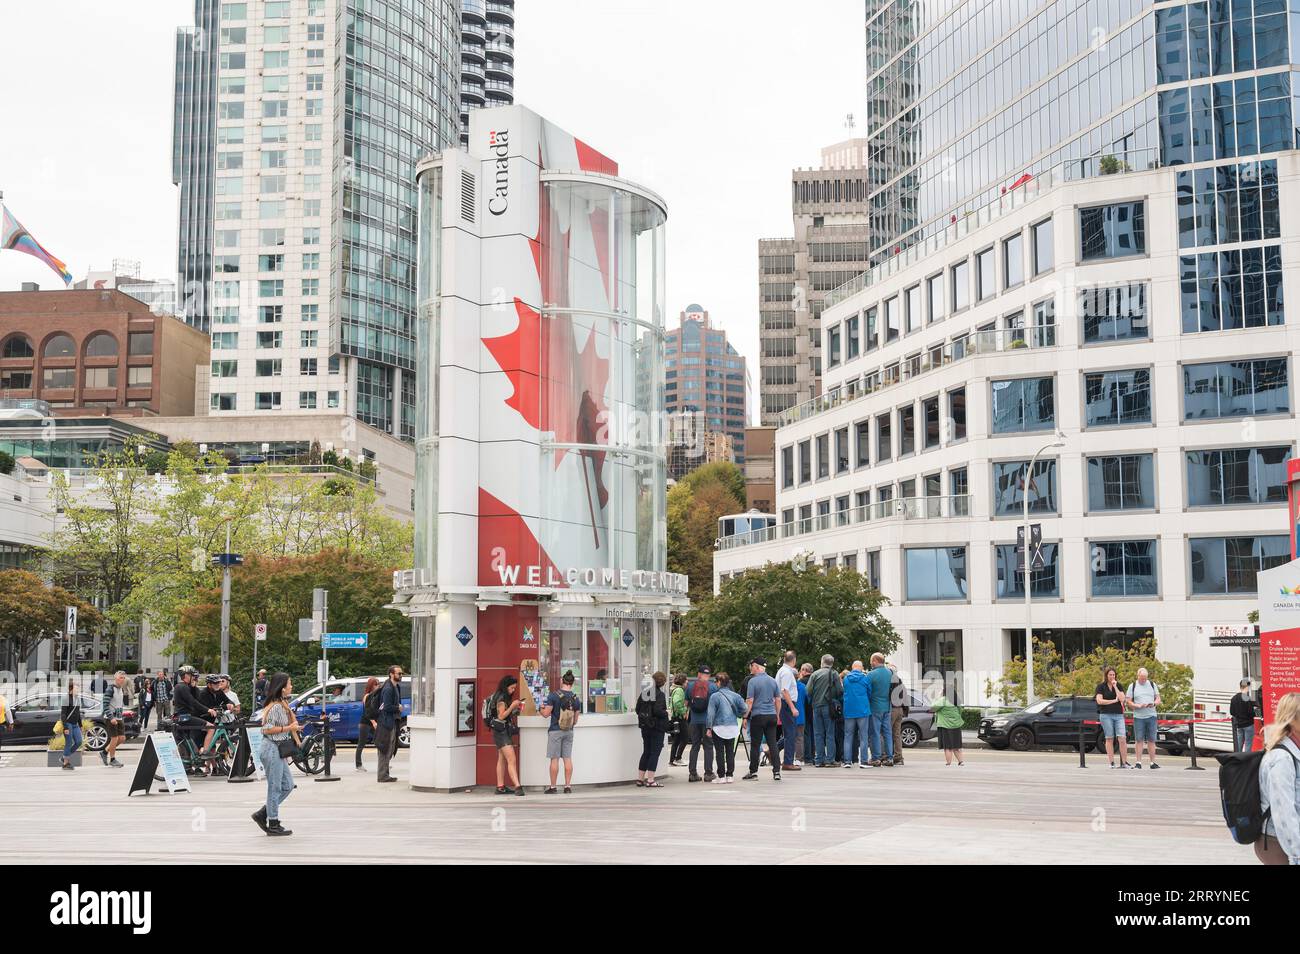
(787, 684)
(1144, 700)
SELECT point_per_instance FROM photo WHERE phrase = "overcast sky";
(710, 104)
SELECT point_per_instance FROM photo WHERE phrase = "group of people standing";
(802, 715)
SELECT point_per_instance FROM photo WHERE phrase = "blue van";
(345, 707)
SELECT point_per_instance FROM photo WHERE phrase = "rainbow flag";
(14, 236)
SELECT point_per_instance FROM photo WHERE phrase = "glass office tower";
(965, 97)
(298, 124)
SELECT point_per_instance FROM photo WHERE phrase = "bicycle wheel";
(311, 757)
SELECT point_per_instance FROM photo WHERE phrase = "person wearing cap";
(192, 715)
(216, 702)
(698, 693)
(1243, 708)
(761, 696)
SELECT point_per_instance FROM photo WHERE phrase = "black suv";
(1047, 722)
(36, 713)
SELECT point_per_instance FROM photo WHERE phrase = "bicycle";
(310, 757)
(195, 763)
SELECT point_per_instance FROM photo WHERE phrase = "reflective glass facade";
(967, 96)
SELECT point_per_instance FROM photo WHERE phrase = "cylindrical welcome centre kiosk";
(540, 478)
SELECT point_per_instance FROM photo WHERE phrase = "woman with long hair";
(369, 720)
(279, 729)
(652, 717)
(505, 727)
(70, 715)
(1110, 709)
(1279, 786)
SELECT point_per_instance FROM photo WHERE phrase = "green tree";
(31, 611)
(1053, 678)
(278, 591)
(6, 463)
(694, 506)
(770, 610)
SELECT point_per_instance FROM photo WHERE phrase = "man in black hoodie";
(1243, 708)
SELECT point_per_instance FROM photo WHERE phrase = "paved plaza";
(1001, 807)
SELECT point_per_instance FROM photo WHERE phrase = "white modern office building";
(1079, 226)
(1068, 305)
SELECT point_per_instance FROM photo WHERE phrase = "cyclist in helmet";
(192, 716)
(216, 702)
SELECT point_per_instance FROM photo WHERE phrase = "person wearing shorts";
(505, 727)
(1144, 700)
(114, 705)
(561, 708)
(1110, 708)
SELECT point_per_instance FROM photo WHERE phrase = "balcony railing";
(965, 222)
(971, 345)
(902, 508)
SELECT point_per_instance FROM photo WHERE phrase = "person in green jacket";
(948, 717)
(677, 713)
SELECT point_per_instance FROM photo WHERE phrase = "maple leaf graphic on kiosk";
(559, 388)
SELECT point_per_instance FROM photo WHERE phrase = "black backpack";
(1239, 793)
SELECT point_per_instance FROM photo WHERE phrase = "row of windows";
(1218, 566)
(272, 401)
(140, 377)
(1216, 477)
(1214, 390)
(100, 344)
(925, 302)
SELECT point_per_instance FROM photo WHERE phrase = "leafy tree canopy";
(770, 610)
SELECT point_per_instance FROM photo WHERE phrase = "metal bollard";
(1191, 742)
(1082, 763)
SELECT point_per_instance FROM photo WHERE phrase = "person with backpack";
(1279, 785)
(1243, 708)
(1144, 700)
(562, 709)
(725, 709)
(652, 717)
(369, 721)
(698, 693)
(679, 725)
(501, 714)
(825, 696)
(898, 710)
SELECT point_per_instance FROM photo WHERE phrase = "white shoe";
(798, 764)
(863, 765)
(846, 765)
(719, 781)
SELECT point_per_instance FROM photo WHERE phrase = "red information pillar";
(1279, 613)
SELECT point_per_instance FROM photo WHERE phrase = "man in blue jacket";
(857, 715)
(878, 681)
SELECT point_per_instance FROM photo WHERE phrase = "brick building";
(100, 351)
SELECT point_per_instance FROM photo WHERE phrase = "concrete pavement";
(1001, 807)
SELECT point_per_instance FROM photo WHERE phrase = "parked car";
(918, 725)
(1055, 721)
(344, 707)
(36, 713)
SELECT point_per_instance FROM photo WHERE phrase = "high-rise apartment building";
(487, 57)
(828, 248)
(298, 124)
(705, 373)
(1083, 229)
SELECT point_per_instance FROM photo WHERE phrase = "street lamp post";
(1059, 441)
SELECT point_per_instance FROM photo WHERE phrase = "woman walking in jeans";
(70, 716)
(278, 724)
